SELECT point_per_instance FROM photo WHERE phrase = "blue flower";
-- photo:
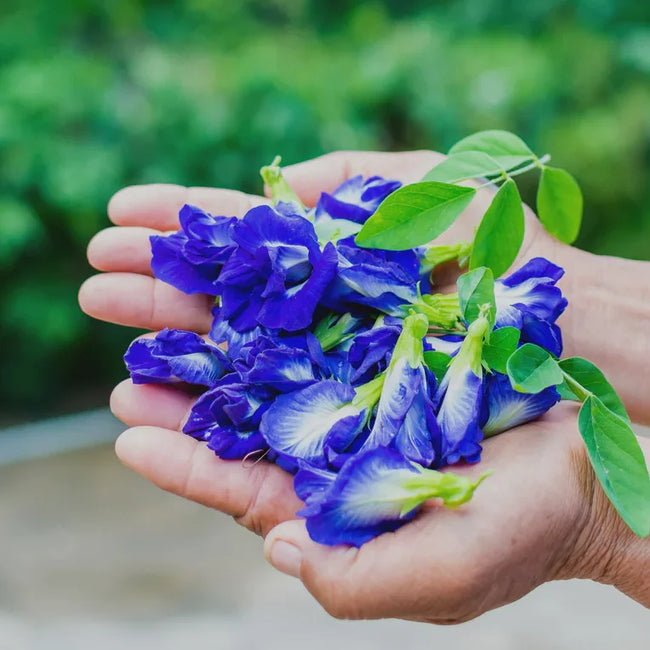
(371, 350)
(175, 356)
(459, 397)
(228, 418)
(377, 492)
(277, 275)
(384, 280)
(530, 290)
(221, 331)
(355, 199)
(277, 366)
(405, 417)
(312, 483)
(192, 258)
(304, 423)
(505, 408)
(541, 332)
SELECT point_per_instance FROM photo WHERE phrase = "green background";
(97, 95)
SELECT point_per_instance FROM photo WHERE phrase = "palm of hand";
(512, 537)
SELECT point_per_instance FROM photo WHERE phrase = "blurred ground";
(94, 557)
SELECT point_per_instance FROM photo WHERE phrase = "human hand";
(261, 497)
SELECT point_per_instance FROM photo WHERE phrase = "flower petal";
(507, 408)
(175, 356)
(282, 368)
(530, 290)
(300, 423)
(364, 501)
(460, 395)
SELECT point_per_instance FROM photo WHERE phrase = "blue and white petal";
(541, 332)
(507, 408)
(311, 484)
(228, 418)
(448, 344)
(530, 290)
(398, 392)
(175, 356)
(282, 368)
(355, 199)
(371, 350)
(459, 396)
(419, 436)
(365, 500)
(300, 424)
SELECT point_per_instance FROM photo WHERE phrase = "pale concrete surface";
(94, 557)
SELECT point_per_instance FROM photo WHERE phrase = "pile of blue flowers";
(342, 364)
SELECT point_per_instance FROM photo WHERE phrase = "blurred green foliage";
(97, 95)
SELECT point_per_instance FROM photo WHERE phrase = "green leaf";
(476, 288)
(464, 165)
(532, 369)
(618, 462)
(437, 362)
(501, 231)
(506, 148)
(503, 343)
(559, 204)
(414, 215)
(592, 379)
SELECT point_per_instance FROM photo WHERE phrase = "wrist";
(605, 549)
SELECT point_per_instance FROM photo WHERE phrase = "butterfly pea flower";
(277, 366)
(505, 408)
(459, 397)
(378, 491)
(371, 350)
(175, 356)
(312, 483)
(192, 258)
(383, 280)
(530, 290)
(326, 415)
(541, 332)
(356, 199)
(405, 417)
(228, 417)
(278, 273)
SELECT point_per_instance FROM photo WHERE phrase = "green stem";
(279, 188)
(537, 163)
(576, 387)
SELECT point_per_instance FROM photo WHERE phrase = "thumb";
(378, 580)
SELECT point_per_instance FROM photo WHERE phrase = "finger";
(373, 581)
(323, 174)
(125, 250)
(143, 302)
(151, 404)
(258, 496)
(156, 206)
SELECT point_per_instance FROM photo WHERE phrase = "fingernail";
(286, 557)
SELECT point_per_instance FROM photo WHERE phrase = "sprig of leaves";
(604, 425)
(417, 213)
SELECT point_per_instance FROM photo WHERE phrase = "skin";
(541, 516)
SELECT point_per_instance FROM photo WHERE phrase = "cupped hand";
(527, 524)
